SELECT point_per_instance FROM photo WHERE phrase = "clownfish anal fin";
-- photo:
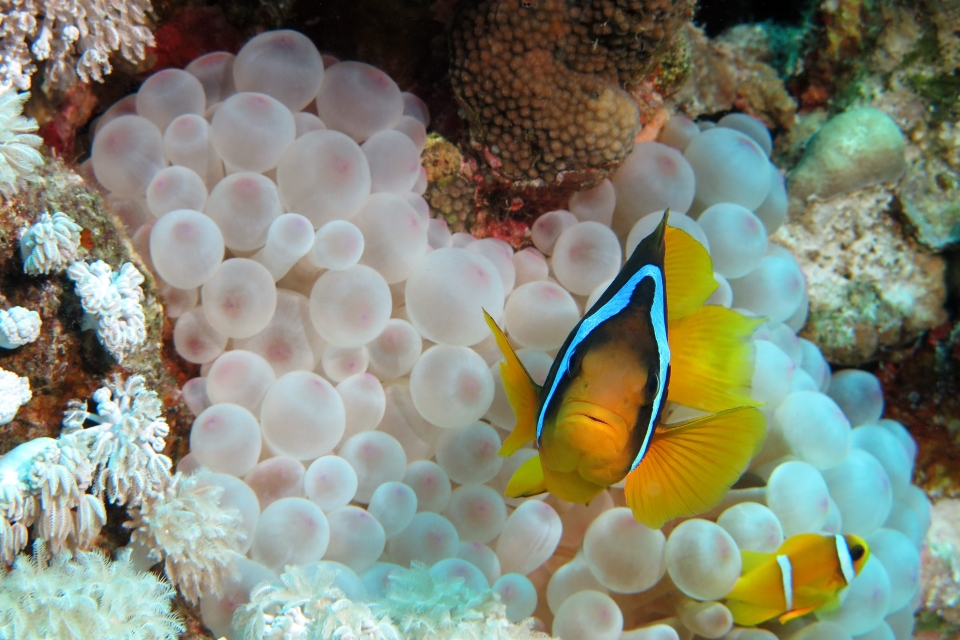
(521, 391)
(796, 613)
(527, 480)
(749, 615)
(689, 466)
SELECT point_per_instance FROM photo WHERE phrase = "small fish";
(807, 573)
(648, 339)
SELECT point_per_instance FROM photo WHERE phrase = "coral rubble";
(870, 288)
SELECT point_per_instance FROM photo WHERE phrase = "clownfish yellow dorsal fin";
(527, 480)
(800, 542)
(688, 271)
(711, 359)
(751, 560)
(522, 392)
(691, 465)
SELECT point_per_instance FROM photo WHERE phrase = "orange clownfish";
(648, 339)
(807, 573)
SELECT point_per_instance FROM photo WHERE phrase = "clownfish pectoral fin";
(750, 615)
(522, 392)
(527, 480)
(750, 560)
(690, 466)
(711, 359)
(688, 269)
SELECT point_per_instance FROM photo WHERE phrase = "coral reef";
(734, 72)
(940, 567)
(920, 382)
(18, 326)
(14, 393)
(19, 157)
(73, 37)
(539, 82)
(113, 299)
(185, 527)
(352, 335)
(84, 596)
(450, 191)
(307, 605)
(902, 62)
(853, 150)
(870, 288)
(50, 244)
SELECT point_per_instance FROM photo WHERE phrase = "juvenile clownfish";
(648, 339)
(807, 573)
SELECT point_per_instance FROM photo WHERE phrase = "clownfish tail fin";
(689, 466)
(522, 392)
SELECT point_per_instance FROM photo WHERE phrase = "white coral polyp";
(43, 481)
(18, 326)
(50, 245)
(114, 300)
(185, 526)
(19, 157)
(126, 441)
(14, 393)
(76, 37)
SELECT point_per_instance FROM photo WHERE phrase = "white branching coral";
(196, 538)
(76, 37)
(14, 393)
(18, 326)
(58, 487)
(424, 607)
(306, 605)
(124, 442)
(19, 157)
(418, 606)
(112, 302)
(84, 596)
(50, 245)
(44, 481)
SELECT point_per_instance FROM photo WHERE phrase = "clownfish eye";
(856, 552)
(653, 385)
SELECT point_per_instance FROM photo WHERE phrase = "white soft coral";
(185, 526)
(61, 31)
(19, 157)
(84, 596)
(113, 299)
(125, 440)
(50, 245)
(18, 326)
(14, 393)
(43, 481)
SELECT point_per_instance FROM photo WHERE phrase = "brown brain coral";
(540, 80)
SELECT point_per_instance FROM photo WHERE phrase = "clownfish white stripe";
(786, 572)
(846, 560)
